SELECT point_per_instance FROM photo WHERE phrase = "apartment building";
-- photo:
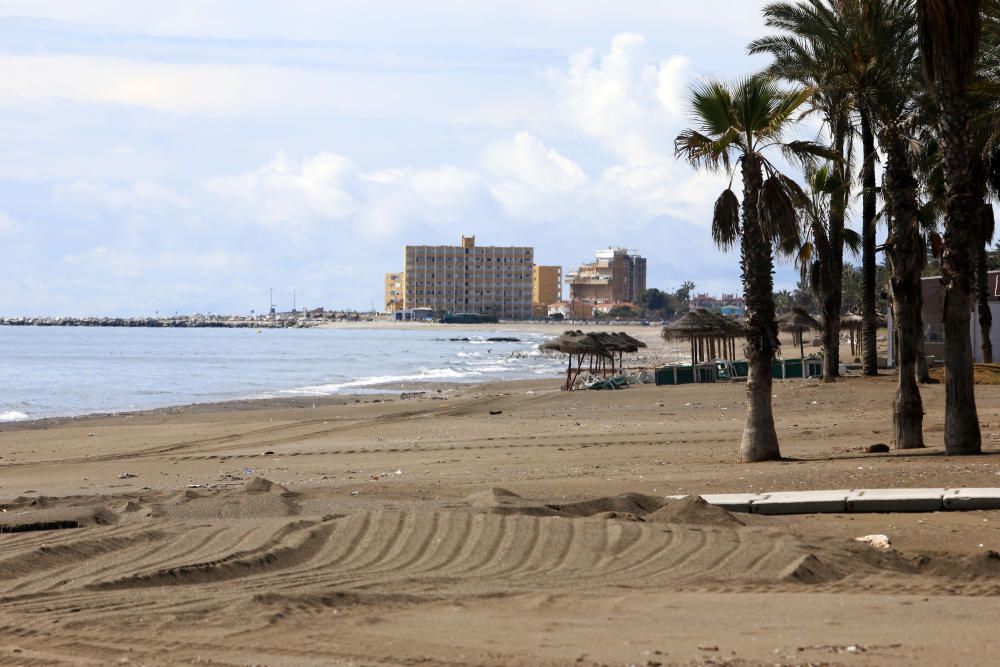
(468, 278)
(394, 285)
(616, 275)
(546, 284)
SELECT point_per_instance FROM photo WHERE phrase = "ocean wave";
(424, 375)
(13, 416)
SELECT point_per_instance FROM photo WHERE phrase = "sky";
(188, 156)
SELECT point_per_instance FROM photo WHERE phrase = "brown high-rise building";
(615, 276)
(394, 285)
(546, 285)
(468, 278)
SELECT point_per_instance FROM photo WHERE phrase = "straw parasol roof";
(693, 324)
(576, 342)
(798, 318)
(634, 342)
(707, 332)
(855, 320)
(597, 346)
(731, 326)
(796, 321)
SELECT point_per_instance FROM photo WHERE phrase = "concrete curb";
(857, 501)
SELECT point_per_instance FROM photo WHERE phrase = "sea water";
(66, 371)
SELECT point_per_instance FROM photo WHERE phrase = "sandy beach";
(503, 524)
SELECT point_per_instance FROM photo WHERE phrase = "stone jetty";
(176, 321)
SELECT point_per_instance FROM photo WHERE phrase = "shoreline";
(377, 394)
(381, 394)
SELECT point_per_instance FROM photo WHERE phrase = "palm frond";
(712, 107)
(704, 151)
(805, 152)
(852, 241)
(987, 223)
(726, 220)
(777, 208)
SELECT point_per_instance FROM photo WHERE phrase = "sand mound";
(693, 510)
(263, 485)
(55, 518)
(501, 501)
(131, 506)
(809, 569)
(257, 498)
(627, 503)
(978, 566)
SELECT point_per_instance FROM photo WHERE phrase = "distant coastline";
(176, 321)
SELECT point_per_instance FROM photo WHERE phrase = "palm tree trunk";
(760, 440)
(961, 420)
(923, 372)
(869, 328)
(907, 407)
(983, 296)
(906, 254)
(833, 292)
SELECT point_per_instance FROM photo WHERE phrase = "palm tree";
(738, 124)
(809, 51)
(949, 35)
(813, 252)
(894, 106)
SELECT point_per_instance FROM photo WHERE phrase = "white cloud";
(526, 160)
(125, 262)
(301, 195)
(286, 191)
(220, 90)
(622, 100)
(141, 195)
(9, 227)
(530, 180)
(390, 21)
(443, 187)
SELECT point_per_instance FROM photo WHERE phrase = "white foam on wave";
(12, 416)
(425, 375)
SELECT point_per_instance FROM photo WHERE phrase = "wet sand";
(504, 524)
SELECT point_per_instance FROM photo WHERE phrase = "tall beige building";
(615, 276)
(394, 284)
(492, 280)
(546, 284)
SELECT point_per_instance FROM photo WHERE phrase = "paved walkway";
(857, 500)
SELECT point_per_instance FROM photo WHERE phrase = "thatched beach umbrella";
(731, 329)
(623, 343)
(852, 323)
(709, 334)
(579, 344)
(796, 321)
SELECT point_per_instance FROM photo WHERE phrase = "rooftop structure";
(616, 275)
